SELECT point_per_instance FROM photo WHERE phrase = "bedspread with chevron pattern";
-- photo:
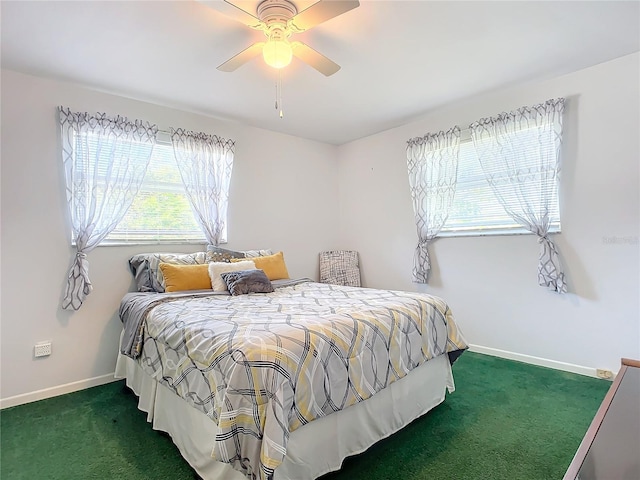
(262, 365)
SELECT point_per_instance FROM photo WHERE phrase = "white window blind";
(161, 212)
(477, 211)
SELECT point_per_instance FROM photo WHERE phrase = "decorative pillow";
(340, 267)
(256, 253)
(217, 254)
(273, 266)
(146, 267)
(247, 281)
(185, 277)
(218, 268)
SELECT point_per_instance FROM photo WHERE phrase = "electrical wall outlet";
(602, 373)
(42, 349)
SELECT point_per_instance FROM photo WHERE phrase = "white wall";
(283, 196)
(491, 282)
(286, 193)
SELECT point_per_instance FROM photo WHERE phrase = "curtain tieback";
(422, 247)
(543, 238)
(83, 266)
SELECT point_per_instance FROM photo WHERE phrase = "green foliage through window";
(161, 211)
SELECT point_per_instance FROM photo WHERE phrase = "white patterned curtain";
(205, 163)
(104, 161)
(432, 162)
(520, 157)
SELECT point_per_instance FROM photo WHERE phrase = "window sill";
(155, 242)
(490, 233)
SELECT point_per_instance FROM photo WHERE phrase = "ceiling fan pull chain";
(279, 100)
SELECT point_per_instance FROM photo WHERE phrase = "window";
(161, 212)
(477, 211)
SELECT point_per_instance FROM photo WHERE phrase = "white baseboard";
(108, 378)
(542, 362)
(55, 391)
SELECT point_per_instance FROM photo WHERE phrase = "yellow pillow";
(185, 277)
(273, 265)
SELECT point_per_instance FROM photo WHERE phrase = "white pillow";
(216, 268)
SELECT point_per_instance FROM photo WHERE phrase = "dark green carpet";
(506, 420)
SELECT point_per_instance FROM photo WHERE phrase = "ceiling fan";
(279, 20)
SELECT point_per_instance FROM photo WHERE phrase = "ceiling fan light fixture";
(277, 53)
(279, 20)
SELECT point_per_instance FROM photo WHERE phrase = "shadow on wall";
(109, 344)
(435, 278)
(578, 283)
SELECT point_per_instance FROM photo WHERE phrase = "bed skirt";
(314, 449)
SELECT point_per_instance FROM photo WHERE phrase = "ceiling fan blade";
(318, 61)
(237, 10)
(321, 11)
(243, 57)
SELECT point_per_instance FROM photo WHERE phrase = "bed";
(287, 384)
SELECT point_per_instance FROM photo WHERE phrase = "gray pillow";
(247, 281)
(146, 268)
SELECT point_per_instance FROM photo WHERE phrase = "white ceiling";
(399, 58)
